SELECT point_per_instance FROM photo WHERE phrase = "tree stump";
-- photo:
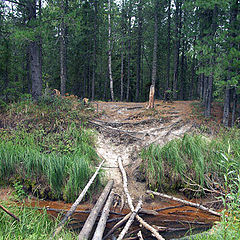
(151, 97)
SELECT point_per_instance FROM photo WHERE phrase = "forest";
(119, 119)
(114, 50)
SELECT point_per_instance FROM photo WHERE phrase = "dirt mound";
(126, 128)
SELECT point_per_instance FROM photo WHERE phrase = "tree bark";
(226, 108)
(155, 45)
(234, 106)
(208, 101)
(110, 50)
(94, 48)
(129, 48)
(168, 43)
(139, 49)
(102, 221)
(130, 220)
(89, 223)
(34, 51)
(199, 206)
(177, 47)
(63, 48)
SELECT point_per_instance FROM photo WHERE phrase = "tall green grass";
(34, 225)
(194, 156)
(47, 148)
(65, 172)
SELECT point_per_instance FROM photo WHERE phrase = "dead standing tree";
(151, 97)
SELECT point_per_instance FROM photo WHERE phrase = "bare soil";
(126, 128)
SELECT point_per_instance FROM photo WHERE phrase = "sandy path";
(125, 128)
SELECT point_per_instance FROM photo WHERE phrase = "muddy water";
(175, 220)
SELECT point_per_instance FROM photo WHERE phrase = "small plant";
(18, 192)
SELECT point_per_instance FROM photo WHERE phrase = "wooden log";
(130, 220)
(76, 203)
(140, 236)
(87, 228)
(125, 187)
(103, 220)
(9, 213)
(130, 203)
(150, 228)
(197, 205)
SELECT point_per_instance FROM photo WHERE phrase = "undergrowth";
(194, 161)
(46, 147)
(33, 225)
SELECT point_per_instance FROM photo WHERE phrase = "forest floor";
(126, 128)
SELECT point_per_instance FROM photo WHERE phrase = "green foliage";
(47, 148)
(193, 157)
(33, 225)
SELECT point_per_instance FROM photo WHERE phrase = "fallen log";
(87, 228)
(130, 203)
(140, 236)
(9, 213)
(76, 203)
(117, 225)
(103, 220)
(130, 220)
(197, 205)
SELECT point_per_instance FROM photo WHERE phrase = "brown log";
(87, 228)
(130, 203)
(197, 205)
(76, 203)
(130, 220)
(103, 220)
(117, 225)
(9, 213)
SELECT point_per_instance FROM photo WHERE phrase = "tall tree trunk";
(177, 47)
(155, 45)
(192, 85)
(226, 109)
(208, 100)
(94, 48)
(129, 48)
(34, 52)
(234, 106)
(122, 68)
(122, 51)
(182, 76)
(110, 50)
(63, 48)
(139, 48)
(168, 43)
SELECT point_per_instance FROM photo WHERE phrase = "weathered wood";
(150, 228)
(130, 220)
(9, 213)
(103, 220)
(197, 205)
(79, 199)
(140, 236)
(87, 228)
(125, 187)
(151, 97)
(117, 225)
(130, 203)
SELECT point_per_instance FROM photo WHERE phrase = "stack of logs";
(104, 203)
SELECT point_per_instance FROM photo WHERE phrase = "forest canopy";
(114, 50)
